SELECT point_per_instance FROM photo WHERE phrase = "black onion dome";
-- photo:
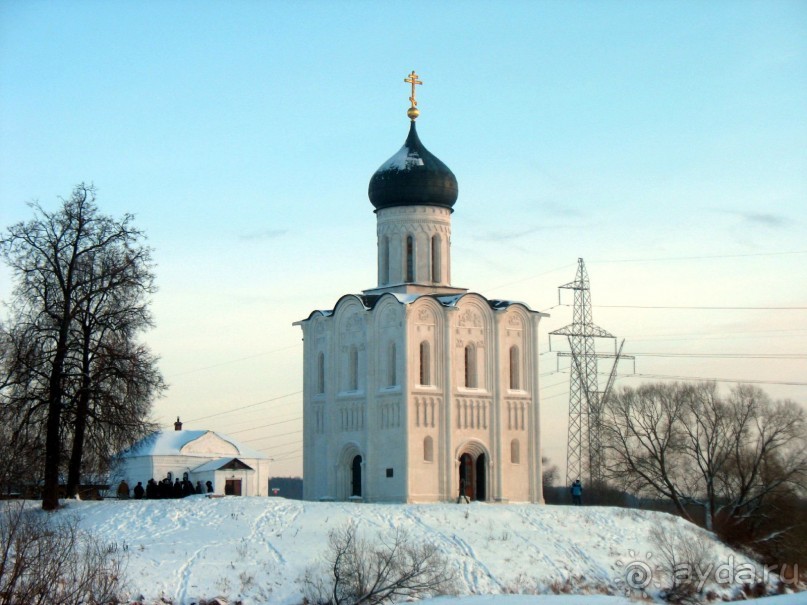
(413, 177)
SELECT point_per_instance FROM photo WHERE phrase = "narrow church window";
(515, 452)
(514, 367)
(470, 367)
(410, 258)
(425, 363)
(384, 260)
(353, 369)
(392, 378)
(321, 373)
(436, 258)
(428, 449)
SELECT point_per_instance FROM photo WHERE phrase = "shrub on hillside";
(357, 571)
(47, 560)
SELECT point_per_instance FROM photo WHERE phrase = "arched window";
(470, 367)
(384, 260)
(425, 363)
(321, 373)
(514, 367)
(410, 258)
(436, 258)
(392, 363)
(428, 449)
(515, 452)
(353, 369)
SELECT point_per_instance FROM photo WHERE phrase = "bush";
(685, 562)
(47, 560)
(360, 572)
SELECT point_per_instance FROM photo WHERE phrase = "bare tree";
(368, 573)
(82, 283)
(724, 455)
(550, 474)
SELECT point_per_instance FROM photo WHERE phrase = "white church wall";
(426, 324)
(133, 470)
(386, 375)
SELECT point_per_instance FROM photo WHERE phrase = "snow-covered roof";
(369, 302)
(191, 443)
(214, 465)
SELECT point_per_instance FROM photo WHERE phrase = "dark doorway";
(355, 480)
(481, 465)
(232, 487)
(467, 476)
(473, 475)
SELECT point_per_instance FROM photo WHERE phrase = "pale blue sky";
(243, 136)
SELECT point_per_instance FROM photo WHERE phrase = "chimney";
(177, 425)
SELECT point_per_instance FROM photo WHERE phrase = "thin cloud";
(764, 219)
(498, 236)
(558, 209)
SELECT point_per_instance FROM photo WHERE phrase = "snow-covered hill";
(256, 549)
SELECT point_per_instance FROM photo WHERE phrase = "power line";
(244, 407)
(702, 379)
(224, 363)
(728, 355)
(275, 445)
(648, 260)
(702, 257)
(255, 428)
(699, 308)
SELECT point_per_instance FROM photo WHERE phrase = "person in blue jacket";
(577, 493)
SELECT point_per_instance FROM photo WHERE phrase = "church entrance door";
(481, 465)
(355, 478)
(472, 476)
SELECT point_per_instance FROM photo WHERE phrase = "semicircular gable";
(207, 444)
(426, 310)
(387, 312)
(474, 312)
(350, 315)
(517, 316)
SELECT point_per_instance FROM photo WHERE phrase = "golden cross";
(413, 80)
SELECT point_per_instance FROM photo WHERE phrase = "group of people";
(164, 489)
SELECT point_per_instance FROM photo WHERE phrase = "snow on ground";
(256, 549)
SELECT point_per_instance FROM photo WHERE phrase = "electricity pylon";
(584, 440)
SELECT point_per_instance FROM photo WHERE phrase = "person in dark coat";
(209, 485)
(123, 490)
(199, 489)
(151, 490)
(139, 491)
(187, 488)
(577, 493)
(177, 489)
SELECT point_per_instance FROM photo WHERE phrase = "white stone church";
(416, 390)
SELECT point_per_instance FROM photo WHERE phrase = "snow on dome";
(403, 160)
(413, 177)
